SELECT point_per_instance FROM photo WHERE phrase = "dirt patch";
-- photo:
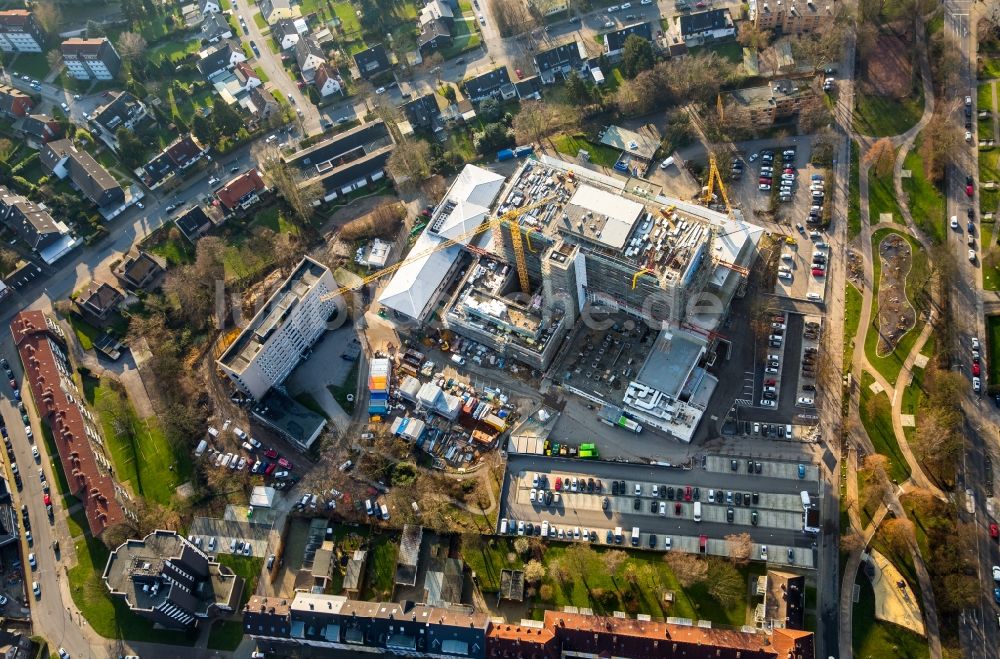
(855, 267)
(896, 316)
(890, 71)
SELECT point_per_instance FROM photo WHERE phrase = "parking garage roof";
(670, 362)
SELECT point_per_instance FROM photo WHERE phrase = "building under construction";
(567, 238)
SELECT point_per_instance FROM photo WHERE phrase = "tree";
(939, 144)
(881, 156)
(410, 162)
(725, 583)
(298, 195)
(203, 129)
(898, 534)
(740, 547)
(545, 593)
(960, 592)
(447, 91)
(851, 541)
(490, 110)
(637, 56)
(54, 59)
(493, 136)
(538, 120)
(8, 260)
(559, 572)
(521, 546)
(95, 30)
(226, 120)
(130, 149)
(534, 571)
(512, 17)
(631, 574)
(689, 569)
(131, 46)
(814, 115)
(613, 560)
(752, 37)
(47, 15)
(577, 89)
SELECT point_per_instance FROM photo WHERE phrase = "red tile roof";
(86, 479)
(14, 17)
(507, 640)
(247, 182)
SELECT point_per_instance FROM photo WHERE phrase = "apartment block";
(788, 16)
(775, 101)
(20, 32)
(91, 59)
(277, 338)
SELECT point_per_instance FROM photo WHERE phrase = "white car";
(64, 106)
(482, 20)
(533, 495)
(996, 573)
(764, 402)
(33, 564)
(764, 187)
(977, 385)
(968, 136)
(34, 453)
(534, 481)
(763, 552)
(63, 654)
(36, 589)
(805, 400)
(968, 101)
(666, 543)
(975, 343)
(380, 90)
(626, 6)
(972, 259)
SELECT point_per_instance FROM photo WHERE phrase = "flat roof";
(668, 365)
(611, 216)
(643, 144)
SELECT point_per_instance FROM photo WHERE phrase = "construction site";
(520, 265)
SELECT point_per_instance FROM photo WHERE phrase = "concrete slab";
(885, 217)
(905, 173)
(908, 420)
(921, 361)
(876, 388)
(893, 603)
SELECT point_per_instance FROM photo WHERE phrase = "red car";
(558, 484)
(271, 453)
(976, 369)
(520, 73)
(968, 190)
(282, 462)
(818, 272)
(47, 499)
(687, 493)
(677, 509)
(994, 531)
(270, 469)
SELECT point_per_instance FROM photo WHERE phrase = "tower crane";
(494, 222)
(715, 178)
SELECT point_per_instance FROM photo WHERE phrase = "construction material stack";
(378, 387)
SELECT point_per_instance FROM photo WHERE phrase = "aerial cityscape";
(500, 329)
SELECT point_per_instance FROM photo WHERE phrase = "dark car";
(605, 504)
(696, 493)
(652, 540)
(653, 506)
(614, 487)
(610, 537)
(590, 484)
(746, 498)
(755, 497)
(621, 487)
(734, 465)
(756, 467)
(598, 485)
(749, 466)
(637, 504)
(729, 515)
(670, 493)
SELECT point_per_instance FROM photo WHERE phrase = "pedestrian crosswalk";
(743, 402)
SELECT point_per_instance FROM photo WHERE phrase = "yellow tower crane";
(714, 178)
(509, 218)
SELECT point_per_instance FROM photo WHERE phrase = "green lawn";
(308, 402)
(33, 64)
(274, 220)
(465, 37)
(247, 567)
(873, 638)
(993, 346)
(876, 416)
(852, 316)
(465, 6)
(111, 618)
(488, 558)
(381, 568)
(925, 200)
(991, 66)
(989, 170)
(600, 154)
(881, 116)
(349, 387)
(729, 50)
(345, 11)
(882, 198)
(168, 242)
(854, 193)
(913, 392)
(173, 51)
(260, 74)
(225, 635)
(890, 365)
(259, 20)
(984, 97)
(62, 485)
(86, 334)
(147, 461)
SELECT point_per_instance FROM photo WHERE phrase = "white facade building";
(294, 318)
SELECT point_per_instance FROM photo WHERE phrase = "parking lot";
(747, 187)
(797, 278)
(225, 531)
(778, 507)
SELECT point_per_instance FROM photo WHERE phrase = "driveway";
(325, 367)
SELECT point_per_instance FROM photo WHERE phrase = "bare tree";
(851, 541)
(740, 547)
(881, 156)
(940, 141)
(131, 46)
(559, 572)
(752, 37)
(300, 196)
(613, 560)
(54, 59)
(688, 568)
(538, 120)
(898, 534)
(47, 15)
(534, 571)
(409, 165)
(725, 583)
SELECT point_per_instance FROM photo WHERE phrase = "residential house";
(614, 42)
(140, 271)
(37, 129)
(20, 32)
(242, 191)
(275, 10)
(246, 76)
(171, 582)
(773, 102)
(123, 110)
(14, 103)
(99, 303)
(60, 405)
(33, 224)
(433, 35)
(16, 645)
(215, 27)
(309, 55)
(91, 59)
(327, 80)
(706, 26)
(529, 88)
(801, 17)
(217, 60)
(63, 158)
(184, 152)
(435, 10)
(495, 83)
(561, 60)
(261, 103)
(347, 161)
(422, 112)
(193, 223)
(287, 32)
(209, 7)
(372, 61)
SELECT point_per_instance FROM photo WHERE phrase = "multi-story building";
(346, 161)
(789, 16)
(166, 579)
(293, 319)
(59, 402)
(775, 101)
(14, 103)
(91, 59)
(33, 224)
(313, 625)
(20, 32)
(63, 158)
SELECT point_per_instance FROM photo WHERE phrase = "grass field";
(349, 387)
(854, 193)
(147, 460)
(465, 37)
(381, 568)
(913, 393)
(882, 198)
(729, 50)
(872, 638)
(225, 635)
(171, 245)
(881, 116)
(600, 155)
(925, 200)
(993, 345)
(989, 170)
(890, 365)
(273, 219)
(247, 567)
(984, 97)
(173, 51)
(876, 416)
(33, 64)
(852, 316)
(55, 464)
(86, 334)
(991, 66)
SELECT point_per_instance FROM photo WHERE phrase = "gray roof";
(616, 40)
(294, 421)
(673, 357)
(422, 111)
(487, 83)
(216, 59)
(372, 61)
(409, 554)
(215, 26)
(704, 21)
(568, 54)
(119, 110)
(305, 47)
(89, 175)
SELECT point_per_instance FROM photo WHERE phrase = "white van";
(805, 499)
(697, 511)
(368, 507)
(503, 526)
(385, 512)
(213, 432)
(202, 446)
(545, 529)
(635, 536)
(458, 359)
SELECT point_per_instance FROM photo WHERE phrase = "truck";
(635, 536)
(589, 451)
(618, 535)
(505, 154)
(805, 499)
(616, 417)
